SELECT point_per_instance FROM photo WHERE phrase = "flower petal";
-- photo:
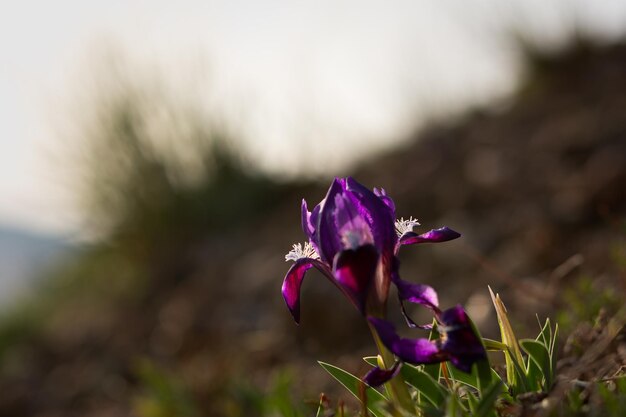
(416, 351)
(410, 322)
(376, 376)
(352, 226)
(314, 220)
(377, 213)
(413, 293)
(382, 194)
(307, 227)
(417, 293)
(293, 282)
(433, 236)
(462, 344)
(355, 270)
(309, 222)
(327, 236)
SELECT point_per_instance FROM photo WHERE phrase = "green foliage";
(613, 400)
(17, 327)
(162, 395)
(440, 390)
(427, 388)
(444, 396)
(366, 395)
(472, 379)
(275, 399)
(87, 285)
(584, 299)
(512, 353)
(618, 249)
(599, 399)
(156, 177)
(536, 371)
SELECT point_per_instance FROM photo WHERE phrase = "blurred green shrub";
(153, 173)
(275, 400)
(162, 395)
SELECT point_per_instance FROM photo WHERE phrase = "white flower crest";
(405, 226)
(299, 251)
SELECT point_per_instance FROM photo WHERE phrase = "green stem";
(396, 387)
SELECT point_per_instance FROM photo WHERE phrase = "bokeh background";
(153, 158)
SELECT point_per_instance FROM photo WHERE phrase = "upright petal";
(462, 344)
(382, 194)
(293, 282)
(327, 235)
(309, 222)
(355, 270)
(416, 351)
(352, 226)
(433, 236)
(314, 221)
(307, 226)
(377, 213)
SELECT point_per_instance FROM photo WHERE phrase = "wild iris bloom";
(353, 241)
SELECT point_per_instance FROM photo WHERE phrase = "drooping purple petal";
(427, 299)
(293, 282)
(462, 344)
(433, 236)
(410, 322)
(415, 351)
(417, 293)
(414, 293)
(355, 270)
(376, 376)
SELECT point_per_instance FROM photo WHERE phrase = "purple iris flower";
(353, 240)
(458, 342)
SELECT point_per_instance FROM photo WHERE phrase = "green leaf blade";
(419, 379)
(354, 384)
(538, 353)
(424, 383)
(486, 407)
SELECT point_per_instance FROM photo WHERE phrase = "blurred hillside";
(24, 255)
(530, 183)
(178, 310)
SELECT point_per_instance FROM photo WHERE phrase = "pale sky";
(337, 74)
